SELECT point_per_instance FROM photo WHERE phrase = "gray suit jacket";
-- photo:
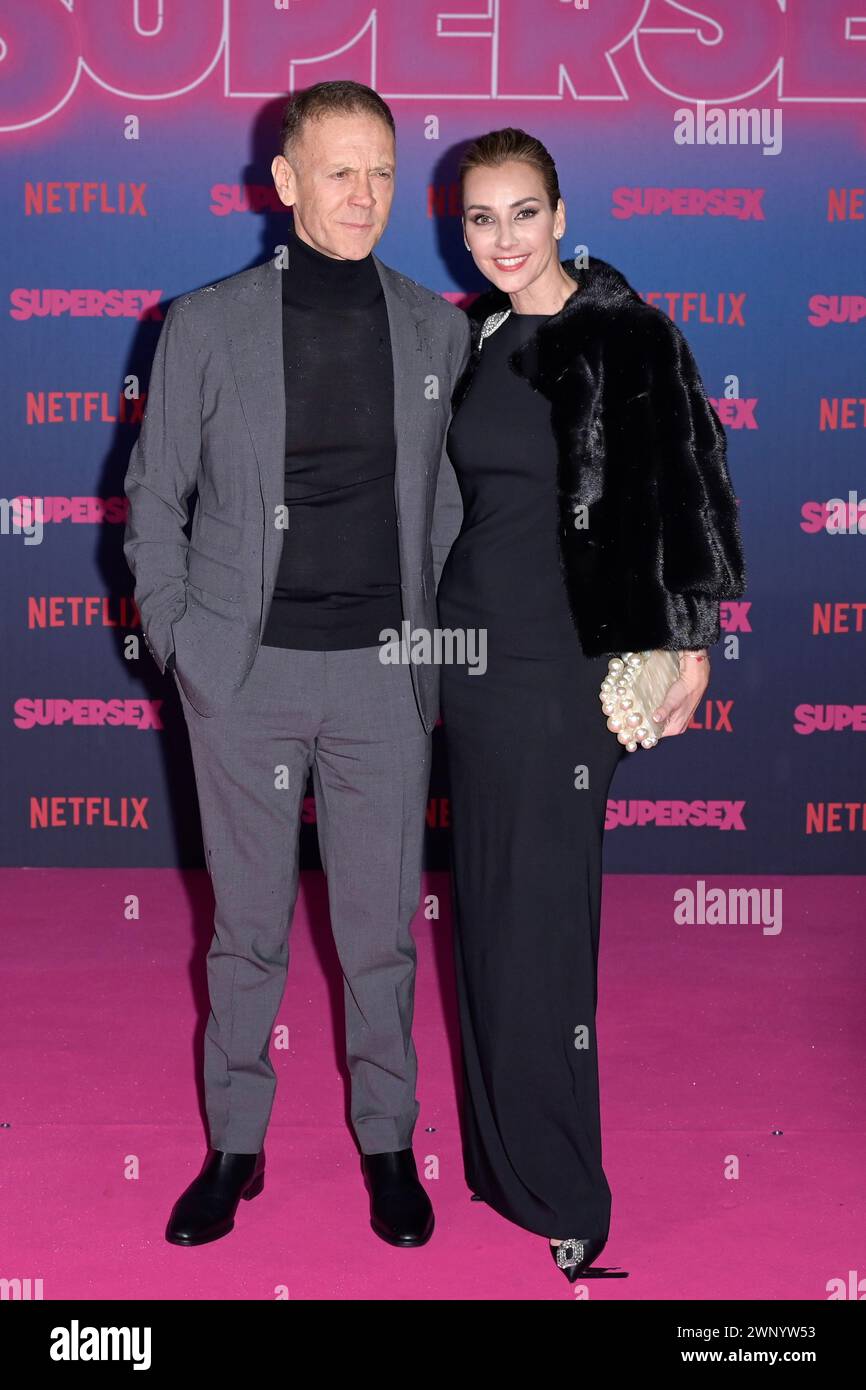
(215, 422)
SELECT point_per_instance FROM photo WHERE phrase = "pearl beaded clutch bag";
(636, 684)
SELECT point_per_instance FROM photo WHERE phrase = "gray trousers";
(354, 721)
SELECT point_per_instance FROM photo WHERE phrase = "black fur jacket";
(649, 536)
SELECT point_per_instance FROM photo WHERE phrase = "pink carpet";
(712, 1038)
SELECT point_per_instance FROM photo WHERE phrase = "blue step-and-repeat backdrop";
(715, 152)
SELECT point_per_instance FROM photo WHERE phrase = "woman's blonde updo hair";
(499, 146)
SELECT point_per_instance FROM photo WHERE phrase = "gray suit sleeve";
(448, 504)
(161, 475)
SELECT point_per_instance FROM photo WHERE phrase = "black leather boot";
(400, 1210)
(206, 1210)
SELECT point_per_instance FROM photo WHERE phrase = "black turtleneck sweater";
(338, 583)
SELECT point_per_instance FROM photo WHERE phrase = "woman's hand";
(685, 694)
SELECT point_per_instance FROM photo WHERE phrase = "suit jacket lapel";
(405, 316)
(255, 334)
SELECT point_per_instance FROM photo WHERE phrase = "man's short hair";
(330, 98)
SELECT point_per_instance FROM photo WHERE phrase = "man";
(307, 400)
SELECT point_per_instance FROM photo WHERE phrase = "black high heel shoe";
(574, 1256)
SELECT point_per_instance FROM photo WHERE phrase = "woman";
(598, 517)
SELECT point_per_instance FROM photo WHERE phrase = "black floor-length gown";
(526, 841)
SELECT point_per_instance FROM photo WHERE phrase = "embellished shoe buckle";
(569, 1253)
